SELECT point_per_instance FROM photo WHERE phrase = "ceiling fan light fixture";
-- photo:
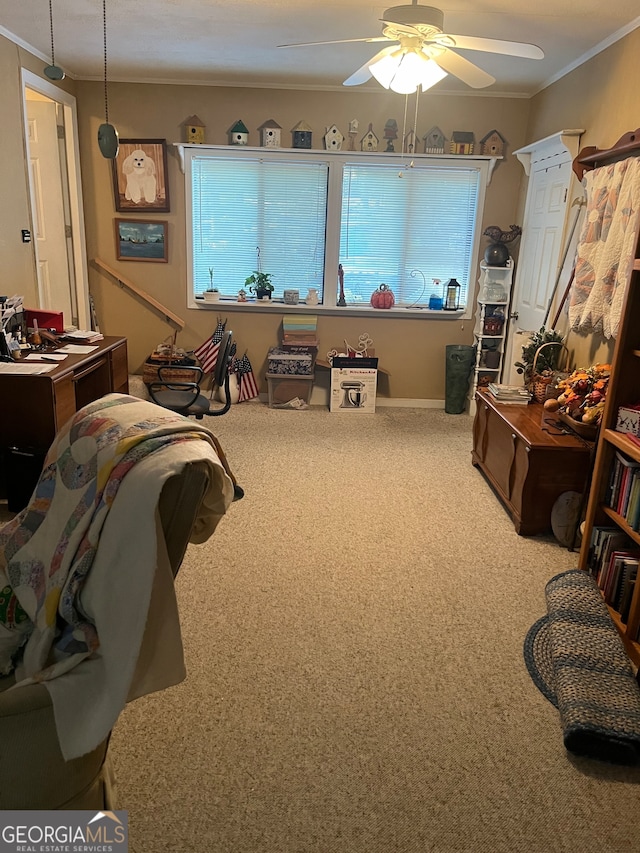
(404, 70)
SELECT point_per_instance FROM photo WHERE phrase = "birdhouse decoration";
(239, 134)
(353, 132)
(194, 130)
(411, 142)
(301, 135)
(434, 141)
(391, 133)
(462, 142)
(369, 141)
(492, 145)
(270, 132)
(333, 139)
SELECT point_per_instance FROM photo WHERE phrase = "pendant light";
(107, 134)
(53, 71)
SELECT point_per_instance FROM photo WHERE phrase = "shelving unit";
(494, 298)
(624, 390)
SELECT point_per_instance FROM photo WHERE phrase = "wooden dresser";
(34, 407)
(529, 463)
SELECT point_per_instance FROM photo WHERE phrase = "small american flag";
(248, 385)
(207, 352)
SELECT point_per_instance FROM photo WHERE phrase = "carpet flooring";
(353, 636)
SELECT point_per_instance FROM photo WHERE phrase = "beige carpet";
(353, 637)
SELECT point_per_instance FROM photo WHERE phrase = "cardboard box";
(629, 419)
(353, 385)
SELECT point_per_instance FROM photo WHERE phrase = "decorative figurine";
(194, 130)
(239, 135)
(411, 142)
(497, 254)
(301, 135)
(242, 295)
(353, 132)
(390, 133)
(333, 139)
(492, 145)
(270, 132)
(434, 141)
(462, 142)
(341, 300)
(369, 141)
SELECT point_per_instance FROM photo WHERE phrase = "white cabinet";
(492, 314)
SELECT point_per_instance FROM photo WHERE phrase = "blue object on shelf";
(435, 302)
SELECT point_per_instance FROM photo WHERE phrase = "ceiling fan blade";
(363, 73)
(462, 69)
(508, 48)
(338, 41)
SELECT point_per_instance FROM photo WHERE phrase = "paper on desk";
(76, 349)
(47, 356)
(25, 369)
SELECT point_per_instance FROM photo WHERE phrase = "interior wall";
(412, 350)
(600, 96)
(18, 260)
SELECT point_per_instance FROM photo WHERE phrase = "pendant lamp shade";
(405, 69)
(107, 134)
(53, 71)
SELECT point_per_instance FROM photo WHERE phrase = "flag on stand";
(248, 385)
(207, 352)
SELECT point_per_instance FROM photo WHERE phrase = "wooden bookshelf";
(624, 390)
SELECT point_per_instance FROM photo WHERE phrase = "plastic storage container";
(291, 389)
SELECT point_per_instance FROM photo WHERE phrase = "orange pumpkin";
(383, 297)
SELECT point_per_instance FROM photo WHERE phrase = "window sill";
(277, 306)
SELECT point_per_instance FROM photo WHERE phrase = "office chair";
(185, 397)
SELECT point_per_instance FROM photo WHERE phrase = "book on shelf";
(509, 393)
(628, 575)
(623, 473)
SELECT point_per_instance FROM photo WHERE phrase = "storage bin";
(284, 389)
(290, 363)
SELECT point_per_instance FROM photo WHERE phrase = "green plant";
(548, 358)
(211, 288)
(259, 281)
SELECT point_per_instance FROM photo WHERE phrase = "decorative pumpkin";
(383, 297)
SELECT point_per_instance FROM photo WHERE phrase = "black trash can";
(23, 467)
(460, 361)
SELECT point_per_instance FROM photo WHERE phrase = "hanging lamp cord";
(53, 52)
(104, 28)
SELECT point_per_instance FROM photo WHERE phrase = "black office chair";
(185, 397)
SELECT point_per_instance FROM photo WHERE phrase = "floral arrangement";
(582, 394)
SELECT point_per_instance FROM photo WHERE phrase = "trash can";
(460, 361)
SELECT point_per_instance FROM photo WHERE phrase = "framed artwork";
(140, 176)
(141, 240)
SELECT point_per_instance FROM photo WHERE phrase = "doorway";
(57, 221)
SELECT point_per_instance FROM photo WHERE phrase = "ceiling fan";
(422, 53)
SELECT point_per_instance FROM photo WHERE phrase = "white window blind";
(241, 205)
(406, 227)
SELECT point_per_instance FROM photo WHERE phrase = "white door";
(541, 267)
(57, 218)
(49, 220)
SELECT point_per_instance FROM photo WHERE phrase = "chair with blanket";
(88, 616)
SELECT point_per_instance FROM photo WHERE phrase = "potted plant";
(260, 284)
(540, 358)
(211, 294)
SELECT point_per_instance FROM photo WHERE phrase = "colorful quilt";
(78, 564)
(606, 249)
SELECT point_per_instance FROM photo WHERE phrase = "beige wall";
(412, 350)
(601, 96)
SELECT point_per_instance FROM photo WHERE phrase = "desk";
(528, 467)
(34, 407)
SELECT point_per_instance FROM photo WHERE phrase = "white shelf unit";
(490, 330)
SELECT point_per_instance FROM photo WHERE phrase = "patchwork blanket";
(606, 249)
(80, 565)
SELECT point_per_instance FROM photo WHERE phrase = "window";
(386, 218)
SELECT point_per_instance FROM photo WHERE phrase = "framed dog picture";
(141, 240)
(140, 176)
